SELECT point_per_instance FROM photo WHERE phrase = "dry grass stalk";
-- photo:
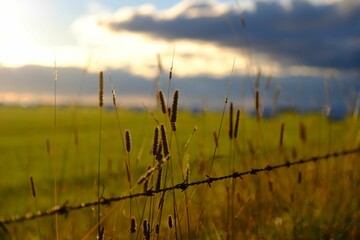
(165, 144)
(192, 134)
(237, 123)
(128, 141)
(32, 186)
(299, 177)
(231, 120)
(146, 185)
(162, 102)
(101, 89)
(101, 104)
(55, 75)
(146, 175)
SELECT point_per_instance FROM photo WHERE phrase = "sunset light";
(204, 39)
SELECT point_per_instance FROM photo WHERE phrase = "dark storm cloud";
(319, 36)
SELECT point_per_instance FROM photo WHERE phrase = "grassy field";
(310, 201)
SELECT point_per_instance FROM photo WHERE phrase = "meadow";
(100, 153)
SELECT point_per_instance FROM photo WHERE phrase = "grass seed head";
(55, 73)
(159, 155)
(113, 97)
(146, 228)
(157, 228)
(281, 142)
(231, 120)
(237, 123)
(155, 141)
(133, 225)
(302, 132)
(101, 89)
(162, 102)
(171, 73)
(165, 144)
(174, 110)
(257, 104)
(170, 222)
(127, 141)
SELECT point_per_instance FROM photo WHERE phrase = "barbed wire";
(65, 209)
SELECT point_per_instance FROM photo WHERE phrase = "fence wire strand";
(65, 209)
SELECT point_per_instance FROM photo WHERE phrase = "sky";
(206, 41)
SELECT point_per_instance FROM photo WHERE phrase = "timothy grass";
(316, 200)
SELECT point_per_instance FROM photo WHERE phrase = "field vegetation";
(316, 200)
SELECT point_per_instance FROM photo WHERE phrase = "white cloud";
(136, 52)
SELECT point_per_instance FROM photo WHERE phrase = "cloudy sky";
(305, 41)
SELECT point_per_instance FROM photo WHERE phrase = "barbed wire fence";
(65, 209)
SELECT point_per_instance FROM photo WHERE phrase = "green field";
(317, 200)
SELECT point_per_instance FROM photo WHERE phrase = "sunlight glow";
(133, 52)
